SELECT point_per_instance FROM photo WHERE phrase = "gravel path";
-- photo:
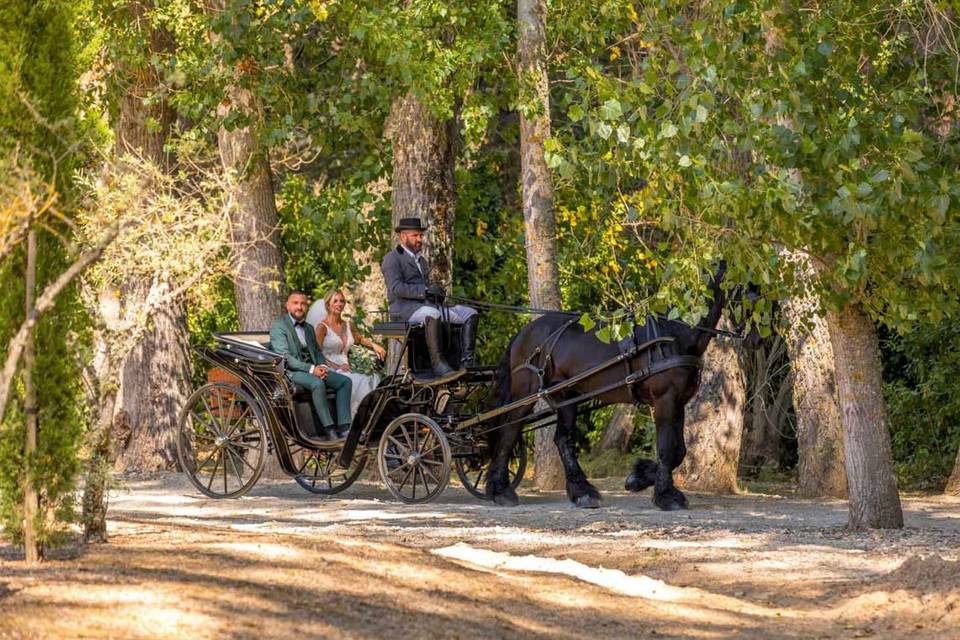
(282, 563)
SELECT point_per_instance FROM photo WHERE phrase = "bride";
(336, 336)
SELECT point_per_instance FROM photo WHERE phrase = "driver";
(405, 271)
(291, 336)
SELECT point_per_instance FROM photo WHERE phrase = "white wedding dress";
(336, 352)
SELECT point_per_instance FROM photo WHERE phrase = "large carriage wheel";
(414, 458)
(318, 472)
(222, 440)
(473, 469)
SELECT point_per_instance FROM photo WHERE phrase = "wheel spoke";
(236, 469)
(214, 474)
(207, 459)
(436, 463)
(213, 417)
(405, 478)
(400, 468)
(239, 421)
(204, 436)
(204, 422)
(426, 470)
(406, 436)
(246, 445)
(243, 460)
(404, 449)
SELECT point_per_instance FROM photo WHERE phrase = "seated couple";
(317, 357)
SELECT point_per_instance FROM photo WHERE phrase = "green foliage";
(755, 125)
(37, 112)
(924, 403)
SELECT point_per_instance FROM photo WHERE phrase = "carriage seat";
(393, 330)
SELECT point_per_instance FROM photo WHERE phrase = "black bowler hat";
(410, 224)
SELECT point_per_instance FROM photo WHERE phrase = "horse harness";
(541, 359)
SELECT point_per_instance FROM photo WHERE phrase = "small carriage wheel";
(222, 440)
(414, 458)
(473, 469)
(319, 473)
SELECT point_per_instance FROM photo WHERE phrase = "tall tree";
(31, 495)
(156, 374)
(543, 278)
(820, 470)
(423, 185)
(874, 501)
(619, 429)
(953, 482)
(259, 272)
(37, 107)
(713, 427)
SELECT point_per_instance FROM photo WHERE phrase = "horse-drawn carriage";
(411, 427)
(419, 429)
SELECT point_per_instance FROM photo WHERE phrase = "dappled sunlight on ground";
(285, 564)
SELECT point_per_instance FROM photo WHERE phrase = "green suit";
(301, 359)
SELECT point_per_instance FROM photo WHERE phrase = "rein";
(521, 310)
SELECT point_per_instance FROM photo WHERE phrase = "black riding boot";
(431, 330)
(468, 340)
(330, 432)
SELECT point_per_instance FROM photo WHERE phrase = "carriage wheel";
(222, 440)
(473, 469)
(319, 473)
(414, 458)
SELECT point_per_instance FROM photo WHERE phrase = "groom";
(292, 337)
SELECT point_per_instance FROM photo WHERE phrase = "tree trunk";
(714, 423)
(156, 373)
(953, 484)
(33, 551)
(619, 429)
(155, 385)
(821, 469)
(543, 279)
(874, 502)
(96, 486)
(423, 186)
(259, 271)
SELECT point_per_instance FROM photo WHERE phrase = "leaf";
(587, 322)
(668, 130)
(575, 113)
(611, 109)
(603, 335)
(604, 130)
(702, 113)
(685, 160)
(673, 314)
(623, 133)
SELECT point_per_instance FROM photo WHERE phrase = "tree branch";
(44, 302)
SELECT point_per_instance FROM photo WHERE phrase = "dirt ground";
(281, 563)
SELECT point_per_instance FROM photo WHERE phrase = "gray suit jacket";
(406, 287)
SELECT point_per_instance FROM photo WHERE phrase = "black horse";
(557, 348)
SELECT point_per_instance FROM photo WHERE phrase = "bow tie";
(299, 323)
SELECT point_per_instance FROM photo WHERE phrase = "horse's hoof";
(633, 483)
(587, 502)
(674, 506)
(506, 499)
